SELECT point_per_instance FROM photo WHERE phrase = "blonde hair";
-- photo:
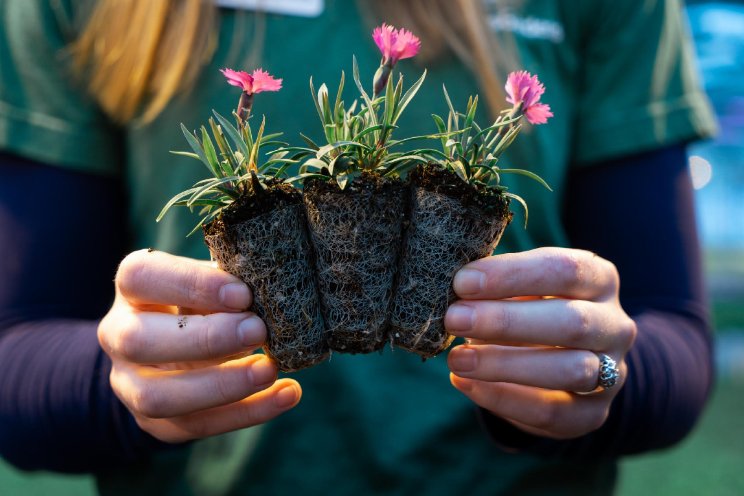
(135, 65)
(134, 68)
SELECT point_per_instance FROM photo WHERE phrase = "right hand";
(185, 377)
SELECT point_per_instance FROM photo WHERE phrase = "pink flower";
(395, 44)
(524, 89)
(257, 82)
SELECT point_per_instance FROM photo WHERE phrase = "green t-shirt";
(619, 79)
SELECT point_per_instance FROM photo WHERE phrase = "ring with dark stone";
(608, 372)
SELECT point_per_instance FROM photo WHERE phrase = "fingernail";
(462, 359)
(263, 373)
(459, 318)
(286, 397)
(251, 332)
(235, 295)
(468, 282)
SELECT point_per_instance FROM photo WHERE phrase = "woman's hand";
(181, 346)
(535, 322)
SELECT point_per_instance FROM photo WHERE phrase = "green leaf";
(408, 96)
(206, 189)
(333, 146)
(459, 169)
(469, 118)
(314, 95)
(431, 154)
(442, 128)
(233, 134)
(307, 175)
(365, 96)
(524, 206)
(253, 160)
(527, 173)
(186, 154)
(507, 140)
(390, 103)
(266, 139)
(452, 119)
(173, 201)
(209, 202)
(339, 104)
(400, 168)
(313, 163)
(197, 147)
(205, 220)
(210, 153)
(309, 142)
(368, 130)
(279, 171)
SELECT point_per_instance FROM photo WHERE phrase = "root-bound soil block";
(263, 240)
(451, 224)
(356, 234)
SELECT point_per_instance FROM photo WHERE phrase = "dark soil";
(436, 179)
(450, 224)
(254, 203)
(263, 240)
(356, 234)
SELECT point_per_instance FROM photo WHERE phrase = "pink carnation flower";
(256, 82)
(525, 89)
(395, 44)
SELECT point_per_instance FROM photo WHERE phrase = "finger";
(253, 410)
(158, 278)
(540, 272)
(559, 414)
(549, 368)
(153, 338)
(155, 393)
(555, 322)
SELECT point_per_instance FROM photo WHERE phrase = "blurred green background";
(711, 460)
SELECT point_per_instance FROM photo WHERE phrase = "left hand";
(535, 322)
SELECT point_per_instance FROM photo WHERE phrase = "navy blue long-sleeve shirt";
(57, 408)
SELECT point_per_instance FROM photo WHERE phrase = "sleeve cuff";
(51, 140)
(660, 123)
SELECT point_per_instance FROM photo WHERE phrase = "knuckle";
(492, 363)
(116, 381)
(578, 323)
(613, 276)
(103, 333)
(566, 264)
(196, 287)
(596, 419)
(628, 331)
(128, 339)
(197, 426)
(498, 321)
(212, 340)
(582, 374)
(132, 270)
(231, 386)
(148, 401)
(547, 416)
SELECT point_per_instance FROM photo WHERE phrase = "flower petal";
(522, 88)
(538, 113)
(263, 81)
(384, 37)
(238, 78)
(406, 45)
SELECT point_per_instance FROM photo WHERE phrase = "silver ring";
(608, 372)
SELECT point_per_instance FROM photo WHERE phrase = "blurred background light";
(701, 171)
